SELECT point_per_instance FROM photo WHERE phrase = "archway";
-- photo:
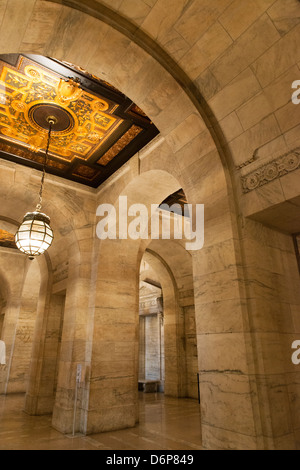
(21, 354)
(114, 353)
(13, 269)
(151, 374)
(4, 295)
(20, 321)
(172, 265)
(187, 150)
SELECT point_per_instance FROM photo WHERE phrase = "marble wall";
(151, 347)
(18, 350)
(25, 328)
(2, 311)
(273, 297)
(215, 77)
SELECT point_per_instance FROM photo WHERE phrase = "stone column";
(225, 384)
(273, 297)
(25, 327)
(3, 303)
(74, 351)
(224, 355)
(142, 347)
(152, 348)
(13, 264)
(44, 363)
(113, 400)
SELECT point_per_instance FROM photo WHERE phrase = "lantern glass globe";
(34, 235)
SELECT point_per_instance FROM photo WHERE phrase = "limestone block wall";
(273, 296)
(152, 349)
(13, 271)
(191, 351)
(25, 328)
(2, 313)
(184, 353)
(151, 346)
(217, 85)
(142, 349)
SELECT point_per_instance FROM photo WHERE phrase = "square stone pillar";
(113, 399)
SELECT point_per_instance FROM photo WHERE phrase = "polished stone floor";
(165, 424)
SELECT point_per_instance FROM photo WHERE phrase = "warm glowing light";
(34, 235)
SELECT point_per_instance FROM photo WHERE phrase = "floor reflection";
(165, 424)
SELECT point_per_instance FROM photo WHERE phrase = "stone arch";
(24, 331)
(120, 24)
(19, 191)
(187, 149)
(72, 228)
(173, 265)
(123, 47)
(4, 304)
(152, 312)
(13, 269)
(4, 296)
(23, 304)
(114, 351)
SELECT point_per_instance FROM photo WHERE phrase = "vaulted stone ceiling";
(236, 60)
(226, 53)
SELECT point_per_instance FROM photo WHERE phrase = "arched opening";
(2, 311)
(4, 295)
(174, 266)
(116, 345)
(114, 354)
(21, 308)
(21, 353)
(151, 331)
(3, 302)
(107, 343)
(13, 267)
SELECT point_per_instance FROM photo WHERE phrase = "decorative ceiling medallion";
(95, 132)
(29, 94)
(63, 121)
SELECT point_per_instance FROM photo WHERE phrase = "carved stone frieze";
(269, 172)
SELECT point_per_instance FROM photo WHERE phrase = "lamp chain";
(39, 205)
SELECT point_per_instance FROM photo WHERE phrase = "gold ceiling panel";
(96, 128)
(7, 239)
(26, 87)
(120, 145)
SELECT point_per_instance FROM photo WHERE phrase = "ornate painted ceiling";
(177, 198)
(7, 239)
(97, 128)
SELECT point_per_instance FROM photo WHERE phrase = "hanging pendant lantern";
(35, 235)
